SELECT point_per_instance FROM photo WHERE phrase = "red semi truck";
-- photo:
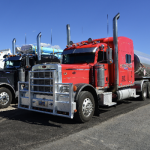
(93, 73)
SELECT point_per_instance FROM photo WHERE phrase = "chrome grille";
(43, 81)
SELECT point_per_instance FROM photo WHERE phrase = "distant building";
(2, 53)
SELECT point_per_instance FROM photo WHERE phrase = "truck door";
(102, 77)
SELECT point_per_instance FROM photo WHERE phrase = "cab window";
(101, 57)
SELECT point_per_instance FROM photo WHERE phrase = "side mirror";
(27, 61)
(61, 59)
(23, 63)
(109, 55)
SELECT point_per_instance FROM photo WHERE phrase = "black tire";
(144, 91)
(6, 99)
(148, 89)
(84, 100)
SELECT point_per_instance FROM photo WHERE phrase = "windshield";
(12, 64)
(78, 58)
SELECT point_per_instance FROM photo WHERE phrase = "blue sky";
(87, 18)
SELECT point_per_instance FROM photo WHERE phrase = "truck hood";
(75, 73)
(69, 73)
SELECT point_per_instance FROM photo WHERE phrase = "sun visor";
(13, 58)
(80, 50)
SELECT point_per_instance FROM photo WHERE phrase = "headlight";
(64, 89)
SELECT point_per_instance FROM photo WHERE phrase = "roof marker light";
(90, 40)
(71, 42)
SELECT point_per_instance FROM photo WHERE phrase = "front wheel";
(5, 97)
(85, 107)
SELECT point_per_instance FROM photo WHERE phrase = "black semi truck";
(16, 68)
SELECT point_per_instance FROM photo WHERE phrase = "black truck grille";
(43, 81)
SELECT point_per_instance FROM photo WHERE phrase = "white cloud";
(45, 44)
(49, 45)
(56, 46)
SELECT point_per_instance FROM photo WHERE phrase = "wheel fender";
(7, 86)
(138, 85)
(84, 87)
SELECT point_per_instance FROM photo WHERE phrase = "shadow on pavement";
(35, 118)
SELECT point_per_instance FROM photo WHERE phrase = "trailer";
(32, 49)
(93, 73)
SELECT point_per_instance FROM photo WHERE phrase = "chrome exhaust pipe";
(115, 41)
(39, 46)
(68, 34)
(13, 51)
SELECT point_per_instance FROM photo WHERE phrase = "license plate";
(41, 103)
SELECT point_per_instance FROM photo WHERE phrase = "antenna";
(51, 37)
(108, 29)
(25, 38)
(82, 33)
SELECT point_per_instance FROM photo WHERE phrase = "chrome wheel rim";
(4, 98)
(87, 107)
(145, 93)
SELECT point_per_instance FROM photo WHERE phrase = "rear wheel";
(144, 91)
(148, 89)
(5, 97)
(85, 107)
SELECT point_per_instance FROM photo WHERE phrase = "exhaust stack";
(13, 51)
(115, 41)
(39, 46)
(68, 34)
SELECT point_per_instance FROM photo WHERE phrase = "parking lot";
(20, 129)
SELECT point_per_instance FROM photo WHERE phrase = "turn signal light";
(75, 110)
(43, 66)
(74, 88)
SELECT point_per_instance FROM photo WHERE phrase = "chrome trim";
(56, 67)
(55, 105)
(77, 69)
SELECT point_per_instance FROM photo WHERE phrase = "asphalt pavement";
(129, 131)
(125, 126)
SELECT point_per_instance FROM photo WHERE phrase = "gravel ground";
(11, 107)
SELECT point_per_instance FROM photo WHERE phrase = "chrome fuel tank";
(141, 64)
